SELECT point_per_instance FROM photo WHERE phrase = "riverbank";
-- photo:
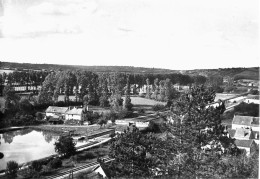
(12, 129)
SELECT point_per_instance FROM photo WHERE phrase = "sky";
(171, 34)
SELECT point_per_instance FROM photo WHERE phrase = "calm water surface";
(26, 145)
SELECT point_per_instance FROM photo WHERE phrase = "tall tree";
(148, 90)
(103, 100)
(128, 105)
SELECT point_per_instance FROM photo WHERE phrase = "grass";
(252, 74)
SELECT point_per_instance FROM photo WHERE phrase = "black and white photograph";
(129, 89)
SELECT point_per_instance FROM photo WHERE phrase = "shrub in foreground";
(12, 169)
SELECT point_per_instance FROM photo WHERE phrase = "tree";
(199, 79)
(196, 126)
(103, 100)
(65, 146)
(128, 105)
(161, 96)
(148, 90)
(25, 106)
(102, 121)
(11, 169)
(137, 154)
(11, 99)
(156, 89)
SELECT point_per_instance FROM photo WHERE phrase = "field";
(223, 96)
(252, 74)
(138, 101)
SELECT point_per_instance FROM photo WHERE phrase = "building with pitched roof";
(245, 122)
(248, 145)
(74, 114)
(57, 111)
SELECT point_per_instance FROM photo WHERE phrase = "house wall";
(49, 114)
(141, 124)
(235, 126)
(72, 116)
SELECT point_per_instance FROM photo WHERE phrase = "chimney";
(256, 135)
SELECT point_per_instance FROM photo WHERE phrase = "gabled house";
(248, 145)
(245, 122)
(74, 114)
(58, 111)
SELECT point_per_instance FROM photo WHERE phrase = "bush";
(102, 121)
(65, 146)
(124, 114)
(55, 163)
(110, 116)
(158, 107)
(36, 166)
(12, 169)
(141, 110)
(90, 155)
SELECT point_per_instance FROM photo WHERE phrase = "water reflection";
(26, 145)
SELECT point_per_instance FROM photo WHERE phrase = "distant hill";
(49, 67)
(236, 73)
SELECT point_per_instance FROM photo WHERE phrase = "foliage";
(245, 109)
(199, 79)
(229, 89)
(11, 99)
(11, 169)
(65, 146)
(89, 116)
(158, 107)
(141, 110)
(102, 121)
(254, 92)
(110, 116)
(36, 166)
(128, 105)
(136, 154)
(148, 90)
(25, 106)
(55, 163)
(124, 114)
(39, 116)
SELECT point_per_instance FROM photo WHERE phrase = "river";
(26, 145)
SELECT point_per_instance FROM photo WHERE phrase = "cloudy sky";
(172, 34)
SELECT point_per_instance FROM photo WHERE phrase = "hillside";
(237, 73)
(127, 69)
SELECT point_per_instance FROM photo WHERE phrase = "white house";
(58, 111)
(74, 114)
(245, 122)
(142, 124)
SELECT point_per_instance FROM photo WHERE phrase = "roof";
(246, 120)
(244, 143)
(75, 111)
(242, 133)
(232, 132)
(56, 109)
